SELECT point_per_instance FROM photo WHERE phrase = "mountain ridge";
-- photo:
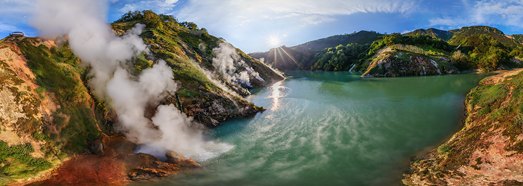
(304, 53)
(469, 48)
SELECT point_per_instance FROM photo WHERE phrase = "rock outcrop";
(392, 62)
(489, 148)
(400, 63)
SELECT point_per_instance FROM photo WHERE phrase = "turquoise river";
(324, 128)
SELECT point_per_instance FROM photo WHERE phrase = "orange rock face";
(89, 170)
(118, 165)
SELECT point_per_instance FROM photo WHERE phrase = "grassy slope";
(188, 50)
(494, 121)
(461, 36)
(71, 127)
(432, 32)
(58, 71)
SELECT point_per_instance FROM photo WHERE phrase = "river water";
(325, 128)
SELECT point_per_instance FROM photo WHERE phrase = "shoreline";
(425, 167)
(51, 173)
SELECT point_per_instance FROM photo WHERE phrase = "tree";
(131, 15)
(152, 20)
(460, 60)
(190, 25)
(493, 58)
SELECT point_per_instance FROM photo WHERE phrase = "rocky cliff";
(408, 60)
(50, 117)
(489, 148)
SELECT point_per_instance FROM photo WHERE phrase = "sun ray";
(275, 57)
(292, 58)
(280, 54)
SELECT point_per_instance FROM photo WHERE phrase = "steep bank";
(49, 115)
(489, 148)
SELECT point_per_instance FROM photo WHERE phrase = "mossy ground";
(16, 162)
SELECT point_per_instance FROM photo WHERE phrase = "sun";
(274, 41)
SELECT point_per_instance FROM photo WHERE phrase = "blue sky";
(257, 25)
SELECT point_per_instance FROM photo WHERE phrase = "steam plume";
(91, 39)
(231, 67)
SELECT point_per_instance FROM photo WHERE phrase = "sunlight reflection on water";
(278, 91)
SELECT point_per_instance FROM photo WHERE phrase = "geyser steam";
(91, 39)
(231, 67)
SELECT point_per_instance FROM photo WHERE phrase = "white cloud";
(488, 12)
(14, 15)
(7, 28)
(446, 21)
(305, 11)
(15, 7)
(159, 6)
(239, 20)
(510, 12)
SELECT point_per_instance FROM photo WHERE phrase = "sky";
(258, 25)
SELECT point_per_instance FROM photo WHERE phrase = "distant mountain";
(413, 54)
(302, 56)
(432, 32)
(467, 35)
(420, 52)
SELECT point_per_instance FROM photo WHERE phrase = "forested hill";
(301, 56)
(420, 52)
(432, 32)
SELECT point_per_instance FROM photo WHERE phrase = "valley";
(152, 100)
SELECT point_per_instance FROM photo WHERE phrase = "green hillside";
(425, 52)
(432, 32)
(303, 56)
